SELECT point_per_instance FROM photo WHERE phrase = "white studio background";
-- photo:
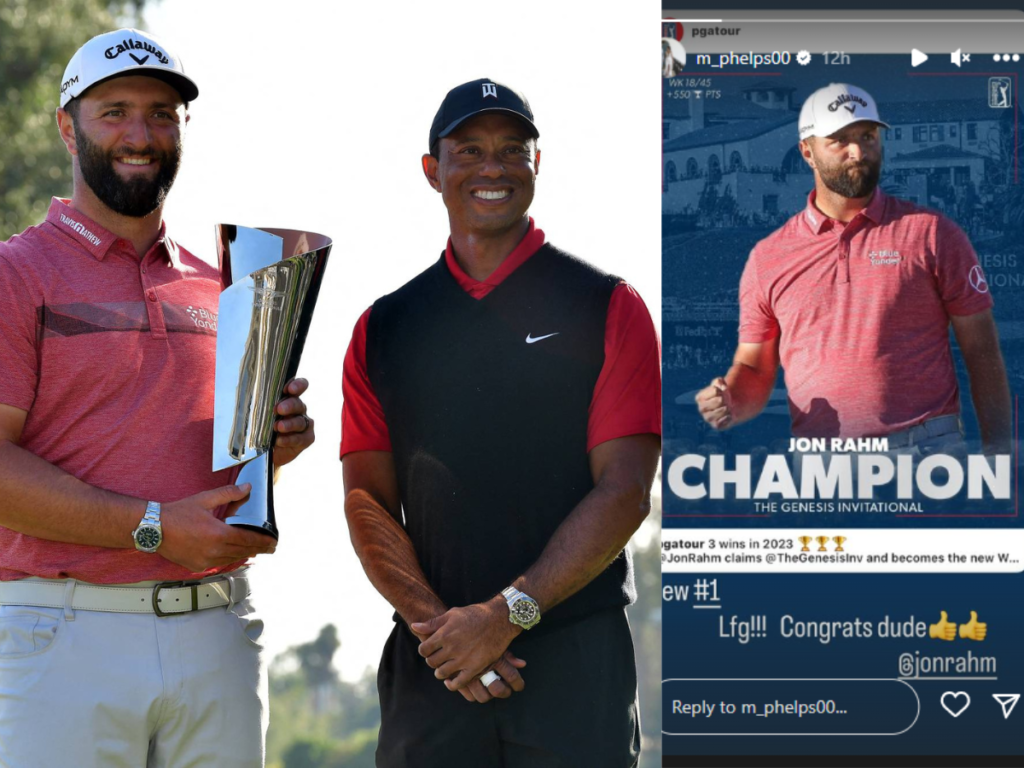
(314, 115)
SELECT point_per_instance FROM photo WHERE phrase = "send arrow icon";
(1007, 701)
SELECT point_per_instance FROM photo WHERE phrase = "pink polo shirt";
(862, 311)
(113, 358)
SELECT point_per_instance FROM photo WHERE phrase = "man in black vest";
(501, 432)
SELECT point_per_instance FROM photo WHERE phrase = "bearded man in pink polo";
(127, 634)
(854, 297)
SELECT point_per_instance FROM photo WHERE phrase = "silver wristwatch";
(148, 535)
(522, 609)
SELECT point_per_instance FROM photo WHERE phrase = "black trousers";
(579, 707)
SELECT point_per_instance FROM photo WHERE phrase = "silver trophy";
(271, 280)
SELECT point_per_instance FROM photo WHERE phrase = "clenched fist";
(715, 404)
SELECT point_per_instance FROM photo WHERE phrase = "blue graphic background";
(732, 174)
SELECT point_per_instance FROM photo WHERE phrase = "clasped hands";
(463, 643)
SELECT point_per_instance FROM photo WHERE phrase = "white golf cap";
(834, 107)
(123, 52)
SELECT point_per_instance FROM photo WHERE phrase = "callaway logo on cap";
(834, 107)
(123, 52)
(476, 98)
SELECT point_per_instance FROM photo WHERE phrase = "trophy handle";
(257, 514)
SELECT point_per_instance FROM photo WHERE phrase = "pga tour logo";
(490, 89)
(999, 92)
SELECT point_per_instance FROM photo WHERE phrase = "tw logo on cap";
(490, 89)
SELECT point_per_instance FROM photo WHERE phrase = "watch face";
(148, 537)
(525, 611)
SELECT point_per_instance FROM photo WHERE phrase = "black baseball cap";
(477, 98)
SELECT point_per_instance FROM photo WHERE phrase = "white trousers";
(95, 689)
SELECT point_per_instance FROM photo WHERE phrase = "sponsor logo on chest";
(885, 258)
(203, 318)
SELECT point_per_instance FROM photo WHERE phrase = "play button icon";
(918, 57)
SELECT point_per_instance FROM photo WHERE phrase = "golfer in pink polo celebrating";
(854, 297)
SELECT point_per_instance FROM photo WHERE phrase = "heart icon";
(957, 709)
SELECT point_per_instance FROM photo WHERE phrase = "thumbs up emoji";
(973, 629)
(943, 630)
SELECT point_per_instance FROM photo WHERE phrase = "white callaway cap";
(123, 52)
(834, 107)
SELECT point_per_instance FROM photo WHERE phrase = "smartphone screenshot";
(843, 354)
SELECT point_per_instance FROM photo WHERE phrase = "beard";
(842, 182)
(135, 197)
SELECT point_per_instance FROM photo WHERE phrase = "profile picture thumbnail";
(673, 57)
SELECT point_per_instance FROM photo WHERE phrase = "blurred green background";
(319, 721)
(37, 39)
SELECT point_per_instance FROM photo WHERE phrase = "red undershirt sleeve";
(627, 396)
(363, 427)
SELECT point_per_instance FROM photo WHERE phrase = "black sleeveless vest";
(487, 402)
